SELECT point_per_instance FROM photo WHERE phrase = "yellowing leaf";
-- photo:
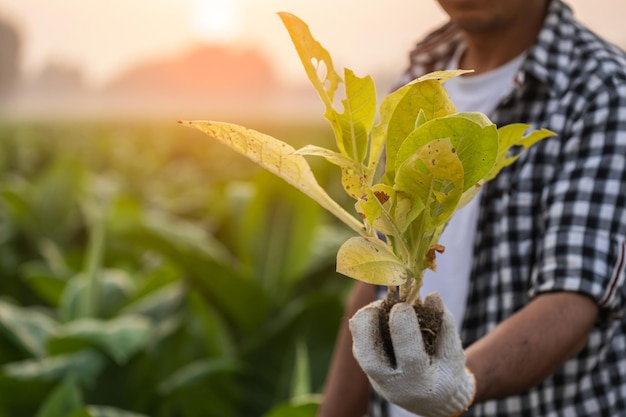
(352, 127)
(425, 99)
(469, 194)
(478, 118)
(513, 136)
(442, 76)
(354, 182)
(407, 209)
(277, 157)
(356, 122)
(336, 158)
(434, 175)
(370, 260)
(476, 145)
(316, 60)
(436, 161)
(353, 178)
(375, 207)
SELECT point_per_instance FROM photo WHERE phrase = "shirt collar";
(436, 50)
(556, 35)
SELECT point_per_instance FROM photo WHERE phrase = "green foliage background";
(146, 270)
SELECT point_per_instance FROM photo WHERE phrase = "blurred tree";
(9, 54)
(59, 79)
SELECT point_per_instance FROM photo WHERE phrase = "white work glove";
(430, 386)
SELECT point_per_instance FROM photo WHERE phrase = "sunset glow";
(215, 20)
(104, 38)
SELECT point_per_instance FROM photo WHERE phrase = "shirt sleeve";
(583, 248)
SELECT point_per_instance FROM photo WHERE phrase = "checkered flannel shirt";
(555, 220)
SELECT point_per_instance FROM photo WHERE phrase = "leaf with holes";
(277, 157)
(436, 160)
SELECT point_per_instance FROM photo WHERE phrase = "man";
(542, 325)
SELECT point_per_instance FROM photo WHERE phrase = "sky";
(106, 37)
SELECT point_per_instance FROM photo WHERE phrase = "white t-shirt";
(475, 93)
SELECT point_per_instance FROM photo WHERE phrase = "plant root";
(428, 318)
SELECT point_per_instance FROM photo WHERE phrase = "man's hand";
(431, 386)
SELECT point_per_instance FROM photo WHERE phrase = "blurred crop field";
(147, 271)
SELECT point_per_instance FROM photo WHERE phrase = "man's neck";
(489, 50)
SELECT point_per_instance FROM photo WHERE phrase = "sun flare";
(215, 20)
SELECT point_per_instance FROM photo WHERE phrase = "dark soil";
(429, 320)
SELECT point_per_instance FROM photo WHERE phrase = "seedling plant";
(435, 161)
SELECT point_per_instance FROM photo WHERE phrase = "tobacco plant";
(436, 160)
(139, 278)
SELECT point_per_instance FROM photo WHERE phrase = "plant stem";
(95, 253)
(414, 290)
(392, 294)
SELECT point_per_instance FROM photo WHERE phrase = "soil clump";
(429, 319)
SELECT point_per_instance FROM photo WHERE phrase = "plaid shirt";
(555, 220)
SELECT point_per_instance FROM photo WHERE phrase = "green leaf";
(18, 208)
(90, 302)
(114, 286)
(424, 99)
(159, 304)
(278, 158)
(104, 411)
(313, 317)
(371, 260)
(474, 141)
(207, 265)
(376, 208)
(26, 327)
(82, 412)
(299, 408)
(407, 210)
(217, 336)
(434, 176)
(370, 209)
(479, 118)
(64, 401)
(43, 282)
(436, 161)
(301, 378)
(121, 338)
(196, 372)
(84, 366)
(276, 236)
(70, 304)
